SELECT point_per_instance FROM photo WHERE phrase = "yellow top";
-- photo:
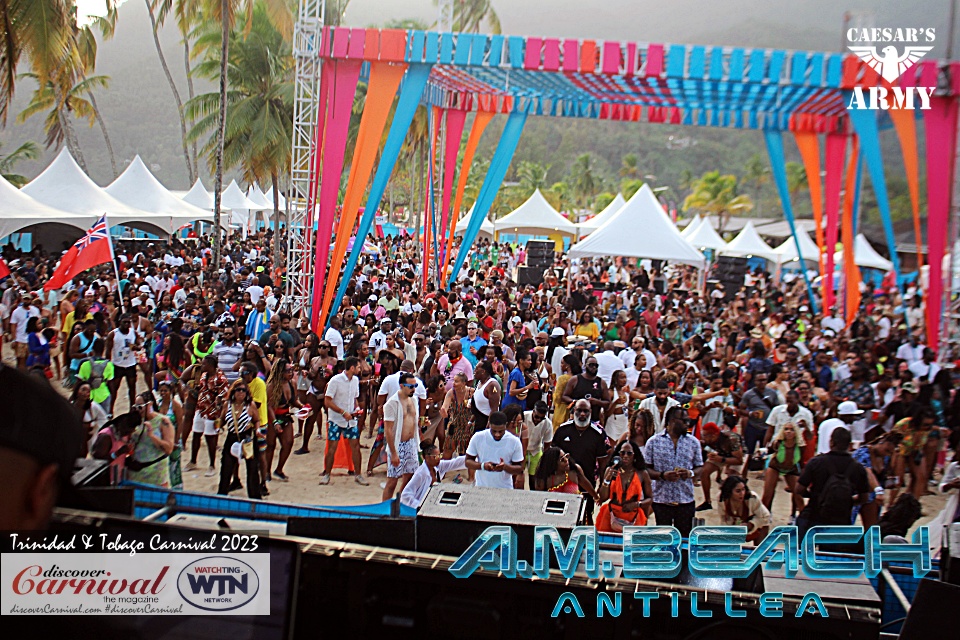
(258, 391)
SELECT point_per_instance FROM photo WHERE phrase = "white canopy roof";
(198, 196)
(535, 216)
(640, 229)
(597, 221)
(809, 248)
(233, 198)
(864, 255)
(704, 236)
(692, 225)
(748, 243)
(137, 187)
(486, 227)
(18, 210)
(256, 195)
(64, 185)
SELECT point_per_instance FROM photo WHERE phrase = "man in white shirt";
(334, 337)
(925, 370)
(540, 435)
(255, 291)
(629, 355)
(378, 340)
(837, 325)
(659, 404)
(609, 362)
(911, 351)
(847, 413)
(18, 326)
(793, 412)
(495, 455)
(340, 400)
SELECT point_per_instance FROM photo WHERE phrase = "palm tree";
(86, 43)
(38, 29)
(629, 166)
(717, 194)
(796, 178)
(259, 125)
(468, 15)
(756, 174)
(158, 11)
(630, 186)
(61, 103)
(560, 196)
(26, 151)
(583, 180)
(530, 177)
(224, 13)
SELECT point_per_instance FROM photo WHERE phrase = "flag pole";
(113, 259)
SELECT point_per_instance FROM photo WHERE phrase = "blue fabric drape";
(407, 102)
(775, 151)
(491, 184)
(864, 122)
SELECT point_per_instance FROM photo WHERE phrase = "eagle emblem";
(889, 64)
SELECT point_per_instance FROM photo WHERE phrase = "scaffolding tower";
(307, 35)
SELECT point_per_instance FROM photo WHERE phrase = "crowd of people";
(624, 381)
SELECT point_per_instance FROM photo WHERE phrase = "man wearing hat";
(847, 413)
(373, 306)
(379, 338)
(40, 438)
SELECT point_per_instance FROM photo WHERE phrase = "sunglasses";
(409, 385)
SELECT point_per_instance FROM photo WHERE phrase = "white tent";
(692, 225)
(640, 229)
(198, 196)
(704, 236)
(137, 187)
(864, 255)
(64, 185)
(259, 197)
(18, 210)
(748, 243)
(535, 216)
(597, 221)
(486, 228)
(809, 248)
(233, 198)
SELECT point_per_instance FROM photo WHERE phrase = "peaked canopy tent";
(19, 213)
(691, 225)
(640, 229)
(704, 236)
(486, 228)
(535, 216)
(748, 244)
(775, 91)
(138, 187)
(864, 255)
(198, 196)
(240, 205)
(788, 250)
(589, 226)
(63, 185)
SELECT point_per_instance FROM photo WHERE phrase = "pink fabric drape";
(343, 87)
(836, 150)
(455, 121)
(940, 122)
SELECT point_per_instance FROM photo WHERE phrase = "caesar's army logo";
(881, 50)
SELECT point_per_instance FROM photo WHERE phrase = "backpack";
(835, 499)
(97, 367)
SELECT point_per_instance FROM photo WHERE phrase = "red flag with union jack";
(92, 249)
(4, 269)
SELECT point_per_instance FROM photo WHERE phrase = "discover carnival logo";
(878, 48)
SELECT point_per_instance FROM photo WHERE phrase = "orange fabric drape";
(385, 79)
(906, 126)
(851, 272)
(809, 145)
(480, 123)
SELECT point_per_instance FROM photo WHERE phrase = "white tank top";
(122, 353)
(481, 400)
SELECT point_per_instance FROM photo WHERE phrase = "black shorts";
(130, 373)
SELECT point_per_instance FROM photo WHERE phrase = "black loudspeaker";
(730, 272)
(934, 610)
(88, 472)
(530, 275)
(540, 249)
(396, 533)
(451, 518)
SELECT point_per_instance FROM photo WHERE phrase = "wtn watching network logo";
(883, 56)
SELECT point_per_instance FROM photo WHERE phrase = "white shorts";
(206, 426)
(409, 461)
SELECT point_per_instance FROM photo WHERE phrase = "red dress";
(634, 491)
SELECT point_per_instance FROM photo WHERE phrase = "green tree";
(8, 162)
(602, 200)
(796, 178)
(630, 166)
(41, 31)
(718, 195)
(756, 174)
(630, 186)
(560, 196)
(469, 15)
(531, 176)
(259, 124)
(583, 180)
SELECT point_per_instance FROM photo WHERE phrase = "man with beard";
(674, 458)
(590, 387)
(495, 454)
(586, 443)
(659, 405)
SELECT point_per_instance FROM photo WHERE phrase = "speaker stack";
(540, 254)
(730, 271)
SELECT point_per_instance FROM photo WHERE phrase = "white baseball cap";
(849, 408)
